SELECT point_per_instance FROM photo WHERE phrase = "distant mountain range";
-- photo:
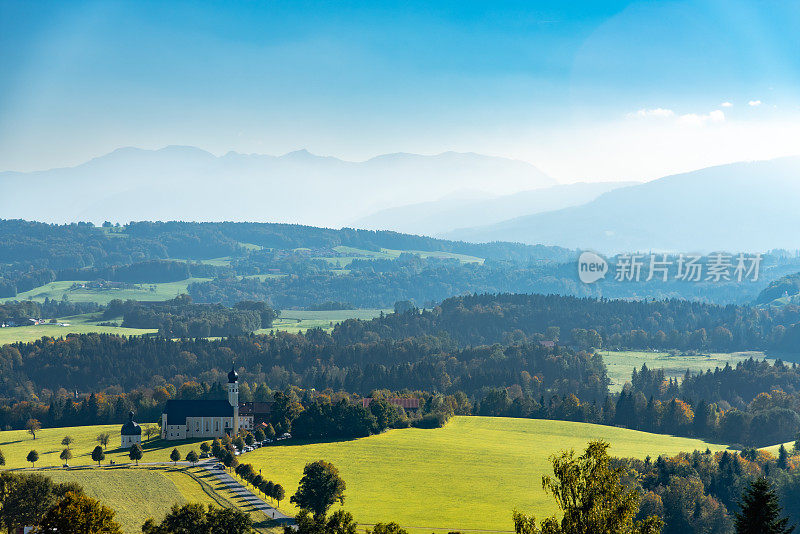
(452, 212)
(187, 183)
(752, 206)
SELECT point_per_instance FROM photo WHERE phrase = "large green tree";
(320, 487)
(339, 522)
(76, 513)
(25, 499)
(193, 518)
(589, 492)
(760, 511)
(98, 455)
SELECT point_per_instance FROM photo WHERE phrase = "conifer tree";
(760, 511)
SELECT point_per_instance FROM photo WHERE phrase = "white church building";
(183, 419)
(131, 433)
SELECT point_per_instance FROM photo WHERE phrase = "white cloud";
(660, 113)
(693, 119)
(727, 104)
(754, 103)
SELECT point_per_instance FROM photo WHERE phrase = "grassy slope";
(468, 475)
(135, 494)
(15, 445)
(56, 290)
(620, 364)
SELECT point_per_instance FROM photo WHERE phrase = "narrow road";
(234, 486)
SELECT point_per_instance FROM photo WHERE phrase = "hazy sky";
(585, 90)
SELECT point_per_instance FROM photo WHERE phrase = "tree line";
(181, 318)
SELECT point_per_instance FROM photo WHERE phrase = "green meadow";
(620, 364)
(350, 253)
(16, 444)
(138, 493)
(468, 475)
(300, 320)
(145, 292)
(78, 324)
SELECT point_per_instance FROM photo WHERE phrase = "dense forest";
(593, 323)
(293, 266)
(701, 491)
(179, 317)
(35, 254)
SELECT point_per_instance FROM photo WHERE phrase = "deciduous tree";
(591, 496)
(136, 453)
(76, 513)
(98, 455)
(33, 426)
(320, 487)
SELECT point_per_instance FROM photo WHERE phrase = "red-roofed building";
(408, 404)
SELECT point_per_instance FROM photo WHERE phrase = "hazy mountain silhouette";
(751, 206)
(458, 211)
(188, 183)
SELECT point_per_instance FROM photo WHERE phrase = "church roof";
(178, 410)
(131, 428)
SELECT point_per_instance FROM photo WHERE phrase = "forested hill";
(589, 322)
(34, 254)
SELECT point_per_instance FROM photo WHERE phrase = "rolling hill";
(468, 475)
(749, 206)
(187, 183)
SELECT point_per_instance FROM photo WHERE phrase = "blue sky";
(585, 90)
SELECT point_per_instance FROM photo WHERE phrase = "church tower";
(233, 398)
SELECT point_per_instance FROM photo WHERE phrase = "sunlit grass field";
(145, 292)
(468, 475)
(78, 324)
(620, 364)
(135, 494)
(16, 444)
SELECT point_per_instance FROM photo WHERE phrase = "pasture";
(620, 364)
(78, 324)
(349, 254)
(144, 292)
(16, 444)
(295, 321)
(468, 475)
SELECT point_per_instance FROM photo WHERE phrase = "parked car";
(204, 455)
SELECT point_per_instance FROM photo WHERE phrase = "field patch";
(76, 324)
(468, 475)
(134, 494)
(620, 364)
(144, 292)
(349, 254)
(295, 321)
